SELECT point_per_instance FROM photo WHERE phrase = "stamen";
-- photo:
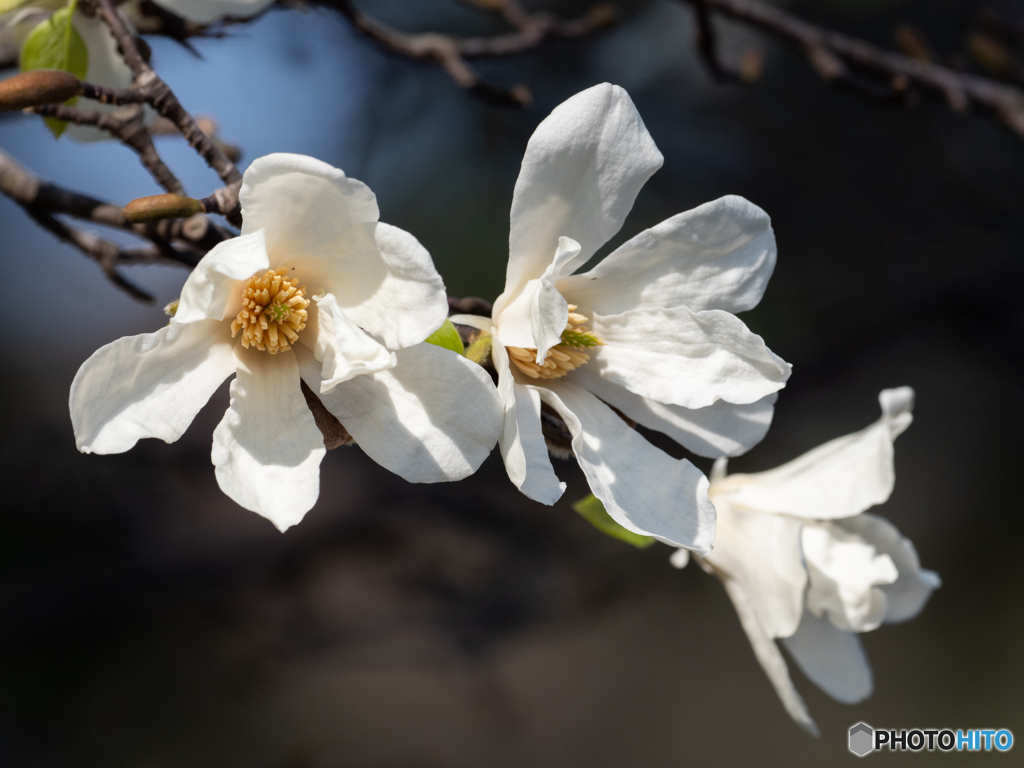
(565, 357)
(273, 312)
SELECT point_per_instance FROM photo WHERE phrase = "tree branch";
(452, 53)
(833, 54)
(126, 125)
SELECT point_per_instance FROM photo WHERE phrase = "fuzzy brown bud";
(157, 207)
(37, 87)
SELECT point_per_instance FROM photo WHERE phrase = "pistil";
(564, 357)
(273, 312)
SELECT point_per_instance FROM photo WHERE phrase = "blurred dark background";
(149, 622)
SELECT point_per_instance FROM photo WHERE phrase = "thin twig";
(452, 53)
(127, 125)
(833, 55)
(159, 95)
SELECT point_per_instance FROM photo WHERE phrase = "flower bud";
(158, 207)
(37, 87)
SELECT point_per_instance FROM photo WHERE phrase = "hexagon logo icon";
(862, 739)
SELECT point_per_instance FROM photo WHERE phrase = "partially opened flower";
(209, 11)
(802, 564)
(316, 290)
(649, 331)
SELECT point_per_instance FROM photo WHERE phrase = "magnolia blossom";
(316, 290)
(208, 11)
(802, 564)
(648, 332)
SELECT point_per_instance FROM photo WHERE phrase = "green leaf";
(592, 510)
(446, 336)
(56, 44)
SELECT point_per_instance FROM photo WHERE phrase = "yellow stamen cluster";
(561, 359)
(273, 312)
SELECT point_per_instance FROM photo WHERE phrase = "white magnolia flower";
(802, 564)
(208, 11)
(315, 289)
(649, 331)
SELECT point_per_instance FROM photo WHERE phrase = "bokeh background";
(147, 621)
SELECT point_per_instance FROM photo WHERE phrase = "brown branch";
(886, 74)
(174, 242)
(452, 53)
(159, 95)
(127, 125)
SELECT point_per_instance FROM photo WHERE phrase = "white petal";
(583, 168)
(908, 594)
(644, 489)
(839, 479)
(717, 256)
(106, 67)
(722, 429)
(522, 441)
(844, 572)
(536, 315)
(151, 385)
(206, 11)
(769, 657)
(214, 289)
(302, 203)
(473, 321)
(345, 350)
(267, 449)
(434, 417)
(832, 659)
(763, 554)
(382, 278)
(685, 358)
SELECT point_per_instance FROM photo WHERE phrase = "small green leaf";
(592, 510)
(56, 44)
(446, 336)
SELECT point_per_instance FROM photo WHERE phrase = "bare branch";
(452, 53)
(886, 74)
(128, 126)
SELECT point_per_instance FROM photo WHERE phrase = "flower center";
(561, 359)
(273, 312)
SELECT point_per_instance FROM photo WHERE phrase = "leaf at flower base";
(56, 44)
(446, 336)
(592, 510)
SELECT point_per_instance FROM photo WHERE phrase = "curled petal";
(522, 440)
(582, 170)
(434, 417)
(345, 350)
(643, 489)
(691, 359)
(214, 289)
(839, 479)
(907, 595)
(717, 256)
(721, 429)
(151, 385)
(302, 203)
(832, 659)
(267, 449)
(844, 572)
(536, 316)
(769, 656)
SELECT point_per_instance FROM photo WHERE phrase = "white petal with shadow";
(150, 385)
